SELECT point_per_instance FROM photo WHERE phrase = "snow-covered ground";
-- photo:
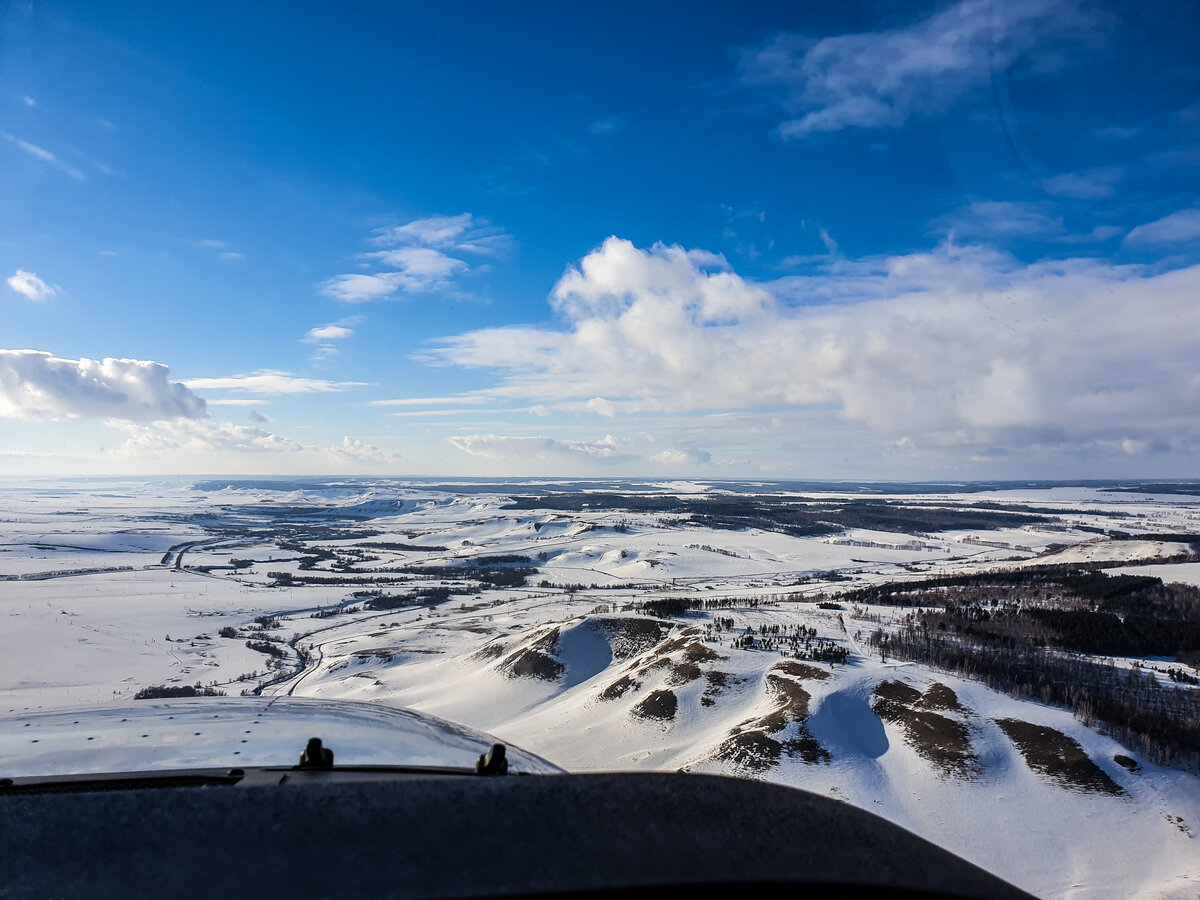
(109, 587)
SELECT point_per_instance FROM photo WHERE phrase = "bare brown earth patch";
(898, 692)
(800, 670)
(683, 640)
(1126, 762)
(752, 745)
(619, 688)
(943, 741)
(683, 673)
(535, 660)
(530, 663)
(548, 643)
(750, 750)
(657, 662)
(697, 652)
(940, 696)
(1059, 757)
(490, 650)
(660, 705)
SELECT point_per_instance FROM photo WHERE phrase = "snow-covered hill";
(570, 668)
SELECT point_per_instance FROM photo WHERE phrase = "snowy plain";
(108, 587)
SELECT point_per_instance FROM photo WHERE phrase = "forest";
(1049, 633)
(796, 517)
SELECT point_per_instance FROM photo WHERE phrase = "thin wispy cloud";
(462, 233)
(29, 286)
(1092, 184)
(605, 126)
(879, 80)
(1000, 221)
(429, 401)
(506, 448)
(1181, 227)
(45, 156)
(465, 411)
(327, 333)
(327, 337)
(271, 382)
(423, 256)
(199, 437)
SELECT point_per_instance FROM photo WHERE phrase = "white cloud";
(678, 457)
(1093, 184)
(28, 285)
(45, 156)
(429, 401)
(232, 255)
(607, 125)
(462, 233)
(271, 382)
(955, 347)
(425, 255)
(997, 221)
(236, 401)
(355, 288)
(1001, 219)
(29, 101)
(354, 450)
(827, 239)
(420, 268)
(525, 449)
(204, 437)
(1179, 227)
(881, 79)
(329, 332)
(36, 385)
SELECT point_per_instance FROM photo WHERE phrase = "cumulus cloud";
(269, 381)
(28, 285)
(880, 79)
(36, 385)
(1180, 227)
(525, 449)
(423, 256)
(958, 346)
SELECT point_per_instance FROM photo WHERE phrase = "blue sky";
(862, 240)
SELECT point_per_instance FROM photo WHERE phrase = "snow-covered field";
(108, 587)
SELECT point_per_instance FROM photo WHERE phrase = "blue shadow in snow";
(846, 724)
